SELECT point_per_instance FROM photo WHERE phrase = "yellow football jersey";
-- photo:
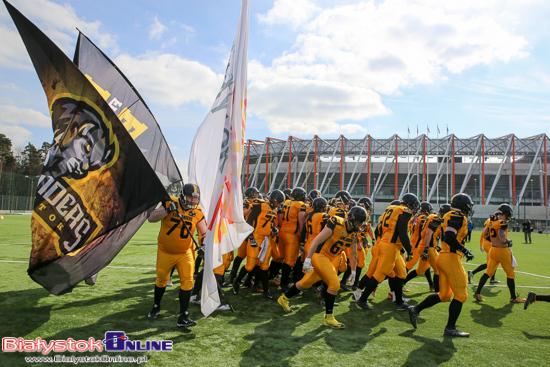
(174, 237)
(455, 219)
(416, 229)
(340, 239)
(391, 216)
(261, 217)
(432, 222)
(494, 226)
(290, 216)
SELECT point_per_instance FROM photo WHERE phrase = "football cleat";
(413, 316)
(257, 289)
(285, 304)
(344, 287)
(455, 332)
(531, 298)
(357, 294)
(517, 300)
(364, 305)
(494, 281)
(470, 276)
(185, 321)
(330, 321)
(391, 296)
(269, 296)
(402, 307)
(195, 299)
(322, 303)
(236, 287)
(478, 297)
(154, 312)
(223, 307)
(406, 290)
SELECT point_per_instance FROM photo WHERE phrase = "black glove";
(253, 243)
(425, 254)
(468, 254)
(438, 248)
(172, 207)
(365, 244)
(274, 231)
(200, 251)
(409, 256)
(509, 242)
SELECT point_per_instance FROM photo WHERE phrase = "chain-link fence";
(17, 192)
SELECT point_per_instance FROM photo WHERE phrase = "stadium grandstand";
(491, 170)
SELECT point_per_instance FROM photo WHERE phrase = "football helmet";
(444, 209)
(411, 202)
(464, 203)
(352, 203)
(357, 216)
(507, 210)
(319, 204)
(287, 193)
(276, 197)
(426, 207)
(342, 196)
(395, 202)
(251, 193)
(190, 196)
(298, 194)
(366, 203)
(314, 194)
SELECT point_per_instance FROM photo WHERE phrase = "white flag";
(215, 165)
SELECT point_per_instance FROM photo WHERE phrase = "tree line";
(26, 161)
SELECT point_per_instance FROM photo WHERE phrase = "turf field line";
(109, 266)
(27, 243)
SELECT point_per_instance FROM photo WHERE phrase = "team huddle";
(303, 241)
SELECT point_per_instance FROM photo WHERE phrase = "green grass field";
(259, 333)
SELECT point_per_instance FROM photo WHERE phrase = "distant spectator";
(470, 228)
(527, 229)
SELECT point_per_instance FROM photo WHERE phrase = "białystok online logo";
(115, 341)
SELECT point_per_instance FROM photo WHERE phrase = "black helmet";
(298, 194)
(344, 196)
(507, 210)
(366, 203)
(352, 203)
(357, 216)
(276, 197)
(426, 207)
(319, 204)
(287, 193)
(314, 194)
(251, 193)
(395, 202)
(411, 202)
(332, 202)
(189, 191)
(464, 203)
(444, 209)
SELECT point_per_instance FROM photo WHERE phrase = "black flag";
(96, 188)
(130, 108)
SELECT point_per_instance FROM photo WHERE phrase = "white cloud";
(17, 134)
(156, 29)
(346, 56)
(293, 12)
(58, 22)
(170, 80)
(14, 115)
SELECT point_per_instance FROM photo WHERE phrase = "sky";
(315, 67)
